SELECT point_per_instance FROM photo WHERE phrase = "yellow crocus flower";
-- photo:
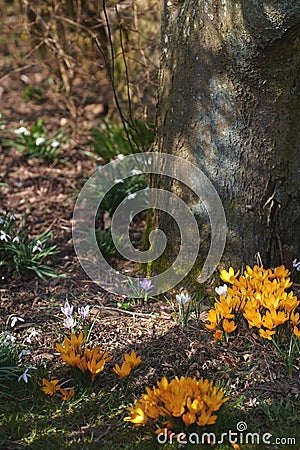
(218, 335)
(195, 406)
(95, 367)
(124, 370)
(267, 321)
(189, 418)
(295, 318)
(50, 387)
(71, 358)
(266, 334)
(137, 414)
(279, 317)
(296, 332)
(132, 358)
(206, 418)
(67, 394)
(77, 341)
(253, 317)
(223, 309)
(228, 326)
(230, 276)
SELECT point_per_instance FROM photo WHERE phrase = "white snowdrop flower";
(9, 338)
(55, 144)
(183, 298)
(23, 353)
(16, 239)
(15, 319)
(11, 217)
(37, 247)
(296, 265)
(221, 290)
(4, 236)
(22, 130)
(118, 180)
(135, 172)
(33, 334)
(39, 141)
(2, 127)
(25, 376)
(120, 156)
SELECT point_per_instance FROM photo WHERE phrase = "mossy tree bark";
(229, 102)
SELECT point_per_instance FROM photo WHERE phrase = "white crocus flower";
(221, 290)
(22, 130)
(39, 141)
(183, 298)
(69, 322)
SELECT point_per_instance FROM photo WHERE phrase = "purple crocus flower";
(67, 310)
(146, 284)
(84, 312)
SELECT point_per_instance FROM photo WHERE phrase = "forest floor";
(262, 392)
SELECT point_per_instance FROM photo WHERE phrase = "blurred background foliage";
(87, 49)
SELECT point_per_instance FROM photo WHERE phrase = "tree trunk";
(229, 103)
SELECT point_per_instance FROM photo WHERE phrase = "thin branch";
(125, 122)
(126, 66)
(109, 309)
